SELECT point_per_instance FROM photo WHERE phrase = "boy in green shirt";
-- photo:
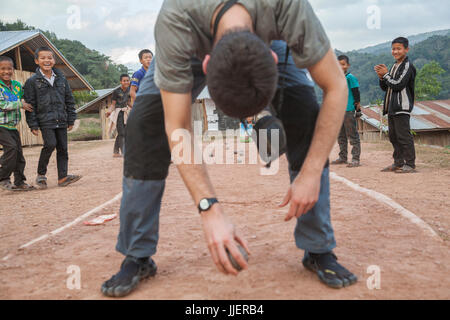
(349, 129)
(12, 160)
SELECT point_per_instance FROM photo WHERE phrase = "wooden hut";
(213, 118)
(20, 46)
(430, 123)
(100, 105)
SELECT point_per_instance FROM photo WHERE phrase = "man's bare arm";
(219, 232)
(304, 191)
(329, 77)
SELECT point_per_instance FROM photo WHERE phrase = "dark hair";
(40, 49)
(402, 41)
(344, 57)
(242, 75)
(123, 75)
(142, 52)
(5, 58)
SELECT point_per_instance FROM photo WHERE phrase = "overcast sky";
(120, 28)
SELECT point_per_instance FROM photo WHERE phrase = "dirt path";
(412, 264)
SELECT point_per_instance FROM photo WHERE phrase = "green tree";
(98, 69)
(83, 97)
(428, 84)
(14, 26)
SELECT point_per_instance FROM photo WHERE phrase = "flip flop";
(41, 182)
(23, 187)
(69, 179)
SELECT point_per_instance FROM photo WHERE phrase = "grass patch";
(88, 116)
(89, 129)
(434, 157)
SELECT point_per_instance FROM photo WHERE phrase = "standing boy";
(49, 93)
(120, 110)
(349, 128)
(398, 104)
(145, 57)
(12, 160)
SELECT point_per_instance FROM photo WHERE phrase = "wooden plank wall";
(28, 139)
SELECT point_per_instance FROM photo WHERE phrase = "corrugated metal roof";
(102, 94)
(29, 41)
(426, 116)
(10, 39)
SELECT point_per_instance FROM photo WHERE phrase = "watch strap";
(211, 201)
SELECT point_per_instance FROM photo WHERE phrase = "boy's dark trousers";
(402, 140)
(12, 159)
(120, 139)
(54, 138)
(349, 131)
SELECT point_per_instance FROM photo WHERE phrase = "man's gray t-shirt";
(183, 30)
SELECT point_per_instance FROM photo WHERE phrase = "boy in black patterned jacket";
(398, 83)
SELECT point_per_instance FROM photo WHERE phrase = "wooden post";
(104, 122)
(18, 58)
(205, 117)
(381, 123)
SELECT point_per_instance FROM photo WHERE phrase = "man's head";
(124, 80)
(400, 48)
(241, 74)
(344, 61)
(44, 58)
(6, 68)
(145, 57)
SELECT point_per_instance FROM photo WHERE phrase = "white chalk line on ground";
(371, 193)
(70, 224)
(389, 202)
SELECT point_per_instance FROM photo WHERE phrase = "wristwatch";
(206, 203)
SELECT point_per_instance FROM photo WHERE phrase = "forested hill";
(102, 73)
(386, 46)
(435, 48)
(98, 69)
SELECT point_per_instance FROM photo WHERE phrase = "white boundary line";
(371, 193)
(70, 224)
(391, 203)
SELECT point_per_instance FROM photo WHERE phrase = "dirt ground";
(413, 264)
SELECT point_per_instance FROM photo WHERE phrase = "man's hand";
(358, 106)
(220, 233)
(69, 128)
(26, 106)
(302, 194)
(35, 132)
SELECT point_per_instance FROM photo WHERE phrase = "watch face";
(204, 204)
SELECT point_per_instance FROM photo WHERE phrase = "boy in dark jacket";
(398, 104)
(53, 113)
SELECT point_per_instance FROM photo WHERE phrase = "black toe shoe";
(328, 270)
(132, 271)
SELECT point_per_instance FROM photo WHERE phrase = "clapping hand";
(381, 70)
